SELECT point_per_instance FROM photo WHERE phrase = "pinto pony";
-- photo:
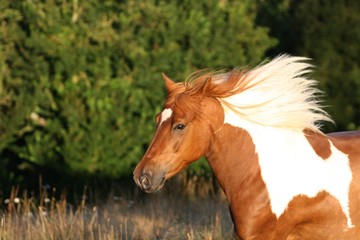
(259, 131)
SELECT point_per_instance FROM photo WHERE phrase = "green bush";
(332, 40)
(80, 80)
(327, 32)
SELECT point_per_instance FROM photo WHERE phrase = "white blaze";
(290, 167)
(165, 115)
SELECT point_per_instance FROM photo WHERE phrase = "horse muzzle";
(145, 182)
(149, 182)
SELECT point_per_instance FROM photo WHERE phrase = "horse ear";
(169, 84)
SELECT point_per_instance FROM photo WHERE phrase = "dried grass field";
(188, 208)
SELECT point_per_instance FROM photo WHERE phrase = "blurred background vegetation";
(80, 81)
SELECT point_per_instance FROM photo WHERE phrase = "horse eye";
(179, 126)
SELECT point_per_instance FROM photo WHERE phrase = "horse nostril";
(145, 182)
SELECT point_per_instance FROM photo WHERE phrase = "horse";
(260, 131)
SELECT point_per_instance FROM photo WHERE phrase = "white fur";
(165, 115)
(277, 106)
(290, 167)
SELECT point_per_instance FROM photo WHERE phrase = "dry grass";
(185, 209)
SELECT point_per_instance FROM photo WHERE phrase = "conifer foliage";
(80, 81)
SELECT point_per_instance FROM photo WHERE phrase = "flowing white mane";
(277, 94)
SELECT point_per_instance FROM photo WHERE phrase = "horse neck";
(233, 159)
(230, 155)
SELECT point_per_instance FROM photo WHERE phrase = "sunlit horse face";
(182, 136)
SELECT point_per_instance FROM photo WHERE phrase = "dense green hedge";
(80, 80)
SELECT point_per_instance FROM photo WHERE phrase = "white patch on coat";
(290, 167)
(165, 115)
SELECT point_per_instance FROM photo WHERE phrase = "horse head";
(184, 130)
